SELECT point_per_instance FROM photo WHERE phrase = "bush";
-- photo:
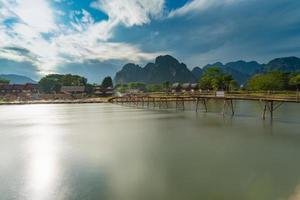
(268, 81)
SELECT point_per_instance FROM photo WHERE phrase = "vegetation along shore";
(279, 77)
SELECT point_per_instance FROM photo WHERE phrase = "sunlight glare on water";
(103, 151)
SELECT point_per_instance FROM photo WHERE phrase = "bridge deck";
(270, 102)
(194, 97)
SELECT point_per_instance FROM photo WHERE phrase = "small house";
(101, 91)
(109, 91)
(17, 88)
(186, 87)
(194, 87)
(176, 87)
(11, 89)
(72, 89)
(31, 88)
(6, 89)
(97, 90)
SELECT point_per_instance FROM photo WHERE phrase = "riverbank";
(59, 101)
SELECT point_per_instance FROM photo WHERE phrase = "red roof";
(67, 89)
(31, 86)
(18, 87)
(7, 87)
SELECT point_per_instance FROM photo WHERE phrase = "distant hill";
(217, 64)
(247, 68)
(197, 72)
(165, 68)
(241, 70)
(286, 64)
(17, 79)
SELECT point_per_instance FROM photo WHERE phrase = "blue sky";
(95, 38)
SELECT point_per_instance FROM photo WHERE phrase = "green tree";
(214, 78)
(122, 88)
(137, 85)
(155, 87)
(166, 85)
(89, 88)
(295, 81)
(4, 81)
(50, 83)
(53, 82)
(269, 81)
(73, 80)
(233, 85)
(225, 81)
(107, 82)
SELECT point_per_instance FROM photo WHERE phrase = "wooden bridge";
(270, 102)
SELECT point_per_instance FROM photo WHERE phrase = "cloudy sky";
(96, 37)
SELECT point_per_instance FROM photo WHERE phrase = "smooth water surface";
(112, 152)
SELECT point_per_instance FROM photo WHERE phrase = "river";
(112, 152)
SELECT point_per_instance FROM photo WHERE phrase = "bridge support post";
(264, 112)
(271, 109)
(232, 107)
(203, 102)
(179, 101)
(166, 101)
(228, 103)
(205, 105)
(270, 106)
(159, 103)
(143, 102)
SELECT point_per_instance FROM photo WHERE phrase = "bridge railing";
(284, 95)
(288, 95)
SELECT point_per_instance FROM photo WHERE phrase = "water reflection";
(41, 150)
(113, 152)
(42, 170)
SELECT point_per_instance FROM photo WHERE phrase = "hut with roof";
(72, 90)
(31, 88)
(186, 87)
(176, 87)
(99, 90)
(195, 87)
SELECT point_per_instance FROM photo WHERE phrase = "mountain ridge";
(168, 68)
(165, 68)
(17, 79)
(284, 64)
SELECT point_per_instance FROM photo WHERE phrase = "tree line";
(163, 87)
(215, 79)
(52, 83)
(4, 81)
(212, 79)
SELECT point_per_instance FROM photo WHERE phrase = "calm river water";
(110, 152)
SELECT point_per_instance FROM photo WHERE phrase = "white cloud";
(130, 12)
(84, 39)
(37, 14)
(199, 5)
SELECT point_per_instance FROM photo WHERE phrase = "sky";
(96, 38)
